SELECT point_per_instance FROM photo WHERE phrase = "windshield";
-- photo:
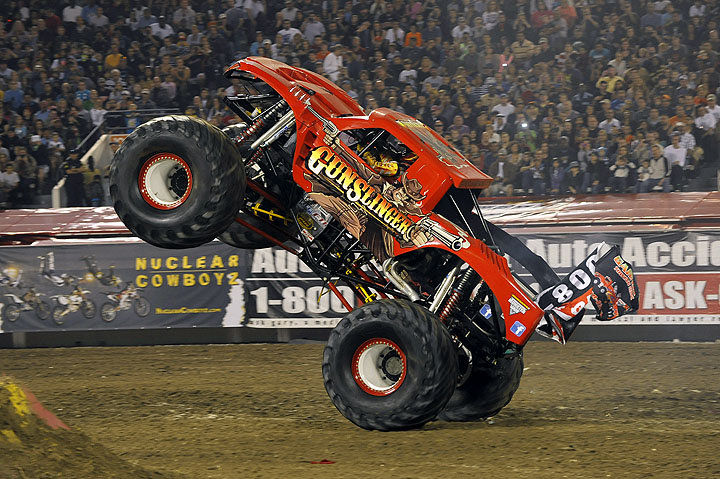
(432, 140)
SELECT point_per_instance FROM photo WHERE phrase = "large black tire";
(488, 389)
(367, 378)
(192, 179)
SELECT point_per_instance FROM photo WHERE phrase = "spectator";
(9, 186)
(557, 178)
(184, 17)
(161, 29)
(574, 179)
(97, 19)
(658, 172)
(145, 20)
(705, 123)
(621, 172)
(333, 62)
(74, 170)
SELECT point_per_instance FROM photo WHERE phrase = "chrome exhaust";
(396, 278)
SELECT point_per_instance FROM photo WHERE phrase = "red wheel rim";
(165, 181)
(379, 366)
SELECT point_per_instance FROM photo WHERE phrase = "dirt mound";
(36, 444)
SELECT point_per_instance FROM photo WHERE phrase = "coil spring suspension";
(457, 293)
(256, 156)
(259, 123)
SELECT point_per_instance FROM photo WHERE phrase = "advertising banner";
(117, 286)
(133, 285)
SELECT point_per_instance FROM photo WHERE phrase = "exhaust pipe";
(395, 277)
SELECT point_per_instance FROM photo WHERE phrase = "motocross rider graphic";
(109, 279)
(47, 271)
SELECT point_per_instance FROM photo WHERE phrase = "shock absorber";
(457, 293)
(256, 156)
(260, 122)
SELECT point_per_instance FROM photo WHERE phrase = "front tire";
(177, 182)
(142, 307)
(389, 365)
(107, 312)
(489, 387)
(11, 312)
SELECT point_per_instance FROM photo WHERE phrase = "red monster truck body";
(378, 201)
(318, 103)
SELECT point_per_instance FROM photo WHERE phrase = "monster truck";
(377, 201)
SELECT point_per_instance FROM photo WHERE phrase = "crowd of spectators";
(546, 96)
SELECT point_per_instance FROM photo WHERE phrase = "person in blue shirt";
(14, 96)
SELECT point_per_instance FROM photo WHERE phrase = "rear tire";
(488, 389)
(58, 314)
(88, 309)
(390, 365)
(177, 182)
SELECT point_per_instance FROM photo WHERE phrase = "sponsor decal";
(517, 306)
(517, 328)
(325, 163)
(625, 272)
(187, 271)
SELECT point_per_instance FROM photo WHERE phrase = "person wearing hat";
(407, 196)
(543, 53)
(145, 102)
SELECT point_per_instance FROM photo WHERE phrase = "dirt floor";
(590, 410)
